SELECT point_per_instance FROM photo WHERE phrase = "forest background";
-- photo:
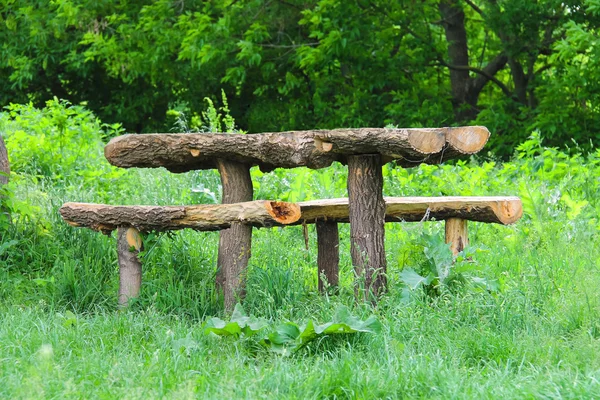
(514, 66)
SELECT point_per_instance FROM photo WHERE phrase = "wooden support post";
(235, 243)
(457, 234)
(328, 258)
(367, 218)
(129, 244)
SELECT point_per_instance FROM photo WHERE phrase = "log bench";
(363, 150)
(129, 221)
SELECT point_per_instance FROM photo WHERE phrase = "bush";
(60, 141)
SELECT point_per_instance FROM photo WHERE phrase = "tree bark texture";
(457, 234)
(503, 210)
(465, 89)
(367, 217)
(453, 17)
(235, 243)
(328, 257)
(4, 164)
(313, 149)
(129, 244)
(204, 217)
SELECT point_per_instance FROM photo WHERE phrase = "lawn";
(531, 332)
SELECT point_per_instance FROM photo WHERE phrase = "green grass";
(61, 335)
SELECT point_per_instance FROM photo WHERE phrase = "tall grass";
(61, 335)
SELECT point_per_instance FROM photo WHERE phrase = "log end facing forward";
(467, 139)
(283, 212)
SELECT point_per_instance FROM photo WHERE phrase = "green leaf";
(411, 278)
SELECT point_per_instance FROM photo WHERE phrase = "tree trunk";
(129, 244)
(453, 17)
(328, 257)
(235, 243)
(367, 218)
(313, 149)
(465, 89)
(4, 164)
(202, 217)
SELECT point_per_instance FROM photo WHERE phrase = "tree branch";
(487, 76)
(474, 7)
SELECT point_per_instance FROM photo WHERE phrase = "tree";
(291, 64)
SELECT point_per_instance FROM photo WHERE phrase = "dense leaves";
(322, 63)
(288, 337)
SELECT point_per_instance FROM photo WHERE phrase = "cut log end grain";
(283, 212)
(427, 141)
(467, 139)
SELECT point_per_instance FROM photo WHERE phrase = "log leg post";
(457, 234)
(367, 218)
(234, 243)
(129, 244)
(328, 258)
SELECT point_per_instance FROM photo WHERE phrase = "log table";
(364, 150)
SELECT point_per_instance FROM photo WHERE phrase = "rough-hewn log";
(328, 257)
(4, 164)
(205, 217)
(129, 244)
(367, 216)
(313, 149)
(457, 234)
(235, 243)
(495, 209)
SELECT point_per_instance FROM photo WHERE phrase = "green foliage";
(304, 65)
(536, 335)
(441, 271)
(60, 141)
(289, 337)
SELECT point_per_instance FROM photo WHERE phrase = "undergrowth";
(517, 318)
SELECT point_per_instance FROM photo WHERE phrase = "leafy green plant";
(289, 337)
(61, 141)
(441, 270)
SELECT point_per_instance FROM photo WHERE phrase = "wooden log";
(313, 149)
(129, 244)
(367, 217)
(205, 217)
(492, 209)
(457, 234)
(328, 257)
(4, 164)
(235, 243)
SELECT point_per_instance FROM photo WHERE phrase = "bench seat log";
(205, 217)
(503, 210)
(313, 149)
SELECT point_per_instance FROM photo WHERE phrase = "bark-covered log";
(235, 243)
(313, 149)
(495, 209)
(129, 244)
(4, 165)
(367, 218)
(457, 234)
(328, 253)
(205, 217)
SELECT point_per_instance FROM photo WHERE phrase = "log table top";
(313, 149)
